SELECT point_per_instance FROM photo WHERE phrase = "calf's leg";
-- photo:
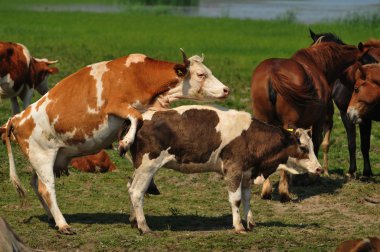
(246, 196)
(266, 191)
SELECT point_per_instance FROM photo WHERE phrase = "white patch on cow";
(6, 87)
(234, 197)
(92, 110)
(134, 58)
(97, 71)
(259, 180)
(27, 55)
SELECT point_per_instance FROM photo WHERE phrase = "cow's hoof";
(266, 196)
(351, 175)
(365, 178)
(144, 231)
(133, 222)
(240, 231)
(250, 225)
(67, 231)
(284, 198)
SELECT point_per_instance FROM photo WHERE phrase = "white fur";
(97, 71)
(134, 58)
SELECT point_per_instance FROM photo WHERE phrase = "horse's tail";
(6, 131)
(297, 95)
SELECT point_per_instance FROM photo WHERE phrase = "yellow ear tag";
(290, 130)
(179, 72)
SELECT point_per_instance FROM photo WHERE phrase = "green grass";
(193, 212)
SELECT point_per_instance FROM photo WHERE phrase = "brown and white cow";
(99, 162)
(82, 114)
(193, 139)
(20, 74)
(370, 244)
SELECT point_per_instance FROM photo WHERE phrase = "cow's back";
(191, 134)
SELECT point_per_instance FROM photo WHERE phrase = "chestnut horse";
(296, 92)
(342, 92)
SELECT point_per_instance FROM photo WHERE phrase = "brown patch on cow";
(252, 149)
(22, 134)
(189, 144)
(121, 86)
(44, 193)
(99, 162)
(40, 102)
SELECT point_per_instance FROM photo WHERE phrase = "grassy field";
(193, 213)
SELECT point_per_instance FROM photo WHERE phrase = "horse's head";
(370, 52)
(366, 93)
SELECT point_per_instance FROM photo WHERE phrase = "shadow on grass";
(172, 223)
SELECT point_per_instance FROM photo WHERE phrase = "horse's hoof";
(67, 231)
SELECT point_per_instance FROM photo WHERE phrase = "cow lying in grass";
(99, 162)
(83, 113)
(193, 139)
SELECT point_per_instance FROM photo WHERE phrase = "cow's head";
(302, 158)
(198, 82)
(366, 93)
(40, 71)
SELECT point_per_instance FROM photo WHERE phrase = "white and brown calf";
(193, 139)
(20, 74)
(82, 114)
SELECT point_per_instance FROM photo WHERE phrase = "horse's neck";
(329, 62)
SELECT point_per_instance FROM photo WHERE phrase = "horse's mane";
(294, 94)
(328, 37)
(324, 56)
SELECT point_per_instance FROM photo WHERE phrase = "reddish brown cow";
(101, 98)
(20, 74)
(99, 162)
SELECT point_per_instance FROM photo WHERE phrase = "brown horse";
(366, 96)
(295, 92)
(342, 92)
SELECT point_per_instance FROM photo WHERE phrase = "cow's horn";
(49, 62)
(185, 60)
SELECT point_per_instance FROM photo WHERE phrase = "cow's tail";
(6, 135)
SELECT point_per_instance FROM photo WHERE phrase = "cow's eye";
(201, 75)
(356, 89)
(304, 149)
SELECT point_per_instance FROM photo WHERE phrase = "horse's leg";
(266, 191)
(283, 187)
(351, 136)
(246, 197)
(365, 139)
(327, 127)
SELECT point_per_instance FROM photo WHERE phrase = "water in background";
(305, 11)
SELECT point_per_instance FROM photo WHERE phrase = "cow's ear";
(313, 36)
(361, 46)
(309, 132)
(52, 70)
(180, 70)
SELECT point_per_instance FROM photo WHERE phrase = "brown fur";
(44, 193)
(94, 163)
(372, 244)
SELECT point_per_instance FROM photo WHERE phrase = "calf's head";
(366, 93)
(198, 82)
(302, 158)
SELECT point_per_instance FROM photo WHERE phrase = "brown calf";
(99, 162)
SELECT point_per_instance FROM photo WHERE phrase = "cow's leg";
(246, 196)
(234, 179)
(351, 136)
(42, 88)
(317, 136)
(140, 183)
(266, 191)
(283, 187)
(39, 189)
(327, 127)
(135, 119)
(43, 162)
(27, 97)
(15, 105)
(365, 141)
